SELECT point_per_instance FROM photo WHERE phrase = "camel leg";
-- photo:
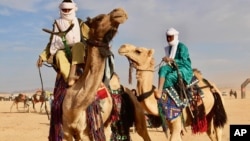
(34, 106)
(143, 133)
(77, 132)
(107, 131)
(17, 107)
(41, 107)
(12, 105)
(215, 134)
(175, 129)
(28, 106)
(141, 128)
(219, 132)
(72, 76)
(67, 136)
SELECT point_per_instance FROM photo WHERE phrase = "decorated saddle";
(173, 102)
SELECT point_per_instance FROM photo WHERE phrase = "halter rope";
(43, 93)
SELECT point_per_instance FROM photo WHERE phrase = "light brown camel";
(143, 61)
(38, 97)
(21, 98)
(79, 96)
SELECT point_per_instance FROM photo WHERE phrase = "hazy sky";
(217, 34)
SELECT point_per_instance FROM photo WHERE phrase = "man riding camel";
(55, 51)
(175, 52)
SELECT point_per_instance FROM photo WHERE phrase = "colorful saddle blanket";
(170, 109)
(172, 103)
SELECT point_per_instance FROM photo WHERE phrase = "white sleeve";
(56, 43)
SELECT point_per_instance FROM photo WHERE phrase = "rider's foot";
(72, 74)
(72, 80)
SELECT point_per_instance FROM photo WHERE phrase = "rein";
(98, 43)
(208, 85)
(145, 95)
(43, 93)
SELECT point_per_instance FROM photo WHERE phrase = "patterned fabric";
(102, 93)
(120, 126)
(199, 122)
(170, 108)
(55, 131)
(170, 104)
(95, 122)
(174, 96)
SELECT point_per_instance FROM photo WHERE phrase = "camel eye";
(137, 51)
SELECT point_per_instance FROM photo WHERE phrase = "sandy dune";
(21, 126)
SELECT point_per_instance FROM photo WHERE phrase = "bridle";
(145, 95)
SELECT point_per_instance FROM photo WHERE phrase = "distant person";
(175, 52)
(231, 92)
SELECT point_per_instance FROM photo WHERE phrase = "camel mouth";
(119, 15)
(132, 62)
(120, 18)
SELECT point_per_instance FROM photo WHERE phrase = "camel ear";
(152, 62)
(151, 52)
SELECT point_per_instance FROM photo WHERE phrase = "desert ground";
(23, 126)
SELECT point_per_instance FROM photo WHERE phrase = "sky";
(217, 34)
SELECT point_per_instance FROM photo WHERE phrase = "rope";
(159, 65)
(43, 93)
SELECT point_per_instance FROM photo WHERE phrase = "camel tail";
(220, 116)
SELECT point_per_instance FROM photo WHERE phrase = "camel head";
(140, 58)
(104, 26)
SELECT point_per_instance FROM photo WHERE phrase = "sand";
(22, 126)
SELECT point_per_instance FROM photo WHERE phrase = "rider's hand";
(39, 62)
(167, 59)
(158, 94)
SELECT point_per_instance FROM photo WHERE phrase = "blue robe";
(183, 62)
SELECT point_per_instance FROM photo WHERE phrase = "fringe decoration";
(130, 73)
(163, 118)
(199, 126)
(199, 122)
(116, 107)
(95, 122)
(119, 126)
(55, 131)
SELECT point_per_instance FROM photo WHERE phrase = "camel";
(79, 96)
(21, 98)
(74, 102)
(39, 97)
(75, 125)
(143, 61)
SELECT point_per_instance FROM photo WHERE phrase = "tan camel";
(21, 98)
(79, 96)
(143, 61)
(39, 97)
